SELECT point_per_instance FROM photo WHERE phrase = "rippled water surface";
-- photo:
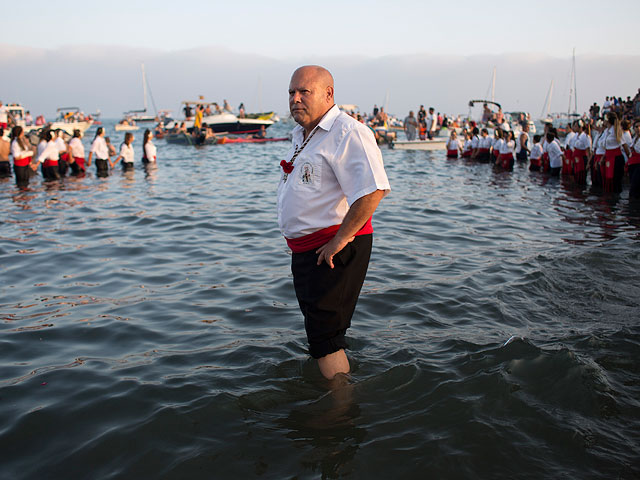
(149, 328)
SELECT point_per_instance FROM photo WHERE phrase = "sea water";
(149, 327)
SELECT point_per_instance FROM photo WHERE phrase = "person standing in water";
(330, 186)
(148, 149)
(22, 154)
(126, 153)
(101, 150)
(5, 148)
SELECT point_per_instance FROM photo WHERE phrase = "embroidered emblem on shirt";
(307, 174)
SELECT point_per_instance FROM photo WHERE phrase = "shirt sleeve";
(358, 166)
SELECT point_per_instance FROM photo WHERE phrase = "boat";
(435, 144)
(71, 119)
(226, 121)
(226, 140)
(142, 115)
(123, 127)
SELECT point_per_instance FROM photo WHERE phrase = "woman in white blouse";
(613, 162)
(581, 152)
(126, 153)
(100, 149)
(148, 148)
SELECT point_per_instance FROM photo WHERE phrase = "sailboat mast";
(144, 87)
(575, 85)
(547, 102)
(572, 83)
(493, 86)
(550, 95)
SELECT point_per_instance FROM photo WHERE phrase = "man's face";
(309, 99)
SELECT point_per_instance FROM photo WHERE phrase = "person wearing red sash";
(569, 140)
(453, 145)
(507, 147)
(332, 181)
(466, 147)
(22, 154)
(595, 163)
(535, 159)
(48, 156)
(581, 152)
(613, 162)
(497, 145)
(63, 160)
(634, 164)
(75, 152)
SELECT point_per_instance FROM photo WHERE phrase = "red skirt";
(452, 153)
(505, 159)
(579, 160)
(545, 162)
(466, 154)
(535, 161)
(608, 168)
(80, 162)
(22, 162)
(567, 165)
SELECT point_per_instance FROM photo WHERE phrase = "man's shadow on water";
(328, 427)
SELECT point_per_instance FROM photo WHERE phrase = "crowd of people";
(603, 149)
(58, 158)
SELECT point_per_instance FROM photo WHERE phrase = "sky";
(255, 46)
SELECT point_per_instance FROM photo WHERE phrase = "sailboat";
(546, 118)
(142, 115)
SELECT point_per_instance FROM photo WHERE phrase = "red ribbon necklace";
(288, 166)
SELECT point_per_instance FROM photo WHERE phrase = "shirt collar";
(326, 122)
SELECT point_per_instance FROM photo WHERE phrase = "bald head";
(310, 95)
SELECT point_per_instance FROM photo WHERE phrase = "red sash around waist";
(319, 238)
(535, 161)
(634, 158)
(452, 153)
(578, 159)
(610, 161)
(466, 153)
(51, 163)
(22, 162)
(483, 150)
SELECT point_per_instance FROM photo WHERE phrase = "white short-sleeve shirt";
(536, 151)
(555, 154)
(77, 149)
(150, 151)
(126, 152)
(99, 148)
(340, 164)
(583, 141)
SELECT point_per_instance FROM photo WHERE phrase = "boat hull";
(419, 145)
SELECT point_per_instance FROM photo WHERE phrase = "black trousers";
(328, 297)
(634, 181)
(102, 167)
(23, 175)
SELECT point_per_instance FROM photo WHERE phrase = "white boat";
(68, 120)
(126, 128)
(435, 144)
(228, 122)
(142, 115)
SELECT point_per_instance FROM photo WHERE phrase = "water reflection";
(327, 430)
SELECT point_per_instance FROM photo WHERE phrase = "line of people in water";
(58, 158)
(606, 150)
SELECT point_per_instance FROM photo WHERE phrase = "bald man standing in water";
(331, 183)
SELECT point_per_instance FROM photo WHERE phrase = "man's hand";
(329, 250)
(356, 217)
